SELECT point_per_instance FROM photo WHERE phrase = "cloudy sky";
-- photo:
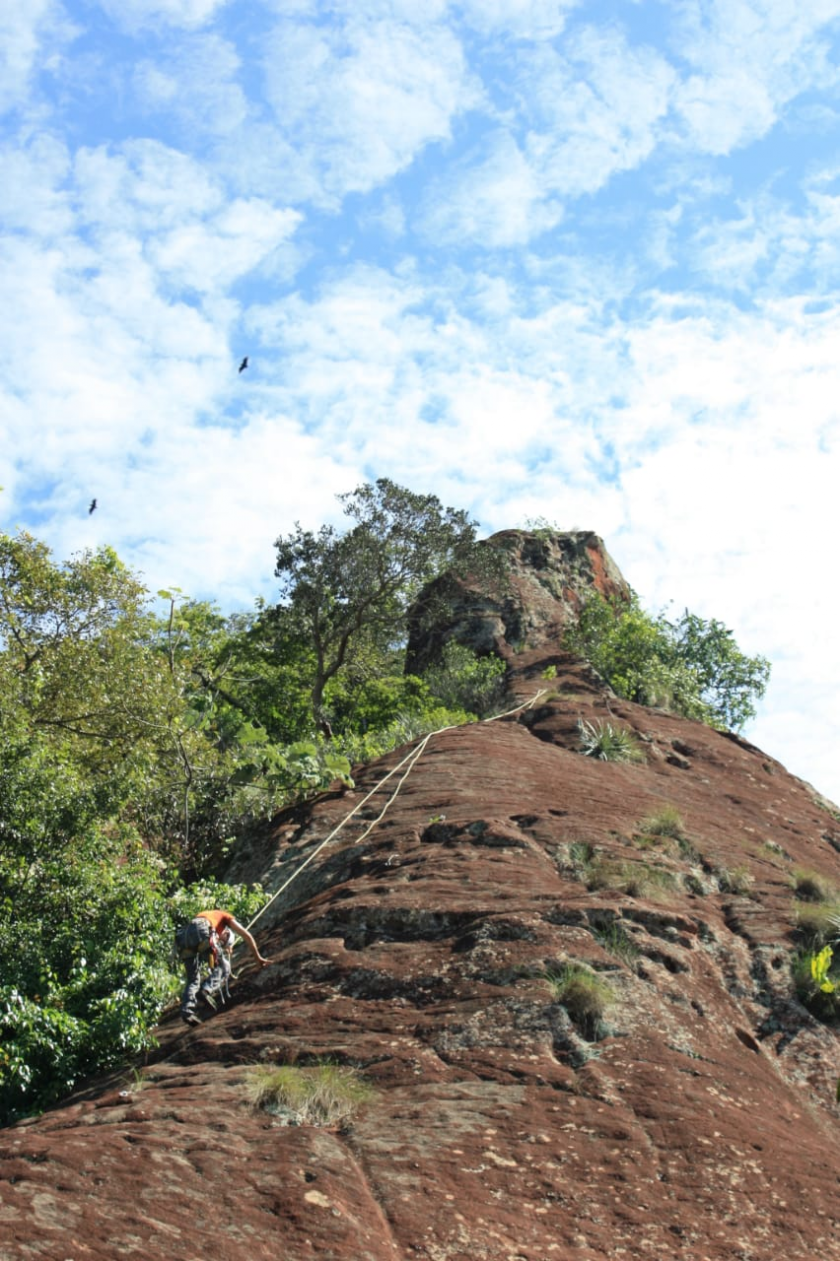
(544, 258)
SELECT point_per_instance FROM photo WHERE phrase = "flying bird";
(92, 507)
(244, 364)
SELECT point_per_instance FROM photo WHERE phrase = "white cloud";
(134, 14)
(144, 186)
(30, 35)
(526, 19)
(360, 102)
(592, 110)
(196, 82)
(749, 59)
(494, 201)
(32, 193)
(210, 256)
(598, 109)
(770, 247)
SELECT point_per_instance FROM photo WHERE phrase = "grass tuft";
(737, 880)
(818, 922)
(617, 941)
(324, 1094)
(584, 994)
(811, 886)
(637, 880)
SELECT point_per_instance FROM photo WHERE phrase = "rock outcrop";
(551, 574)
(680, 1104)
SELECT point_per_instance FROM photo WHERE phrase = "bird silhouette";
(92, 507)
(244, 364)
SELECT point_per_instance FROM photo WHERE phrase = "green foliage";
(817, 922)
(86, 961)
(463, 680)
(815, 987)
(583, 993)
(737, 880)
(636, 879)
(615, 939)
(323, 1094)
(820, 964)
(404, 729)
(608, 742)
(812, 886)
(691, 666)
(347, 595)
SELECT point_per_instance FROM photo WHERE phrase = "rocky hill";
(566, 982)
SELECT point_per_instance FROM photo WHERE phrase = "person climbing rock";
(209, 937)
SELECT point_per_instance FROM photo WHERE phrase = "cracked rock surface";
(689, 1111)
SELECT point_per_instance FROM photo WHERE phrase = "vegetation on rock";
(690, 666)
(142, 738)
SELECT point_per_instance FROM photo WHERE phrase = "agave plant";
(608, 742)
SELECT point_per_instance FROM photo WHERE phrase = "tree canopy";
(347, 595)
(691, 666)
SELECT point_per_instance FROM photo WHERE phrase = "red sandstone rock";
(696, 1121)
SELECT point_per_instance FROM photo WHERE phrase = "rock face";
(550, 575)
(680, 1103)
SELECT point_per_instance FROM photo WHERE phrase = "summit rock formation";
(680, 1104)
(549, 575)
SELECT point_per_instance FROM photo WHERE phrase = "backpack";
(195, 938)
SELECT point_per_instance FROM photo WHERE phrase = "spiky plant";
(608, 742)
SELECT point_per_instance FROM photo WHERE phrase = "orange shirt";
(219, 920)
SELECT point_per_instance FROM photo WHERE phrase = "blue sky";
(546, 259)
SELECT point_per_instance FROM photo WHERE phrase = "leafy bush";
(691, 666)
(405, 728)
(817, 983)
(325, 1094)
(463, 680)
(89, 987)
(608, 742)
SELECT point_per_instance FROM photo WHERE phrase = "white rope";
(411, 758)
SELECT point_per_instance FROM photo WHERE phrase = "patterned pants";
(218, 977)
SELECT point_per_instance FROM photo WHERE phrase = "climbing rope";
(409, 762)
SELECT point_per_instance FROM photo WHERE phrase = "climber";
(209, 936)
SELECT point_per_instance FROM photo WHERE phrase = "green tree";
(347, 594)
(691, 666)
(73, 663)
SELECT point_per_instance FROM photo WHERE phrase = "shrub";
(690, 666)
(583, 993)
(817, 983)
(463, 680)
(666, 825)
(324, 1094)
(608, 742)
